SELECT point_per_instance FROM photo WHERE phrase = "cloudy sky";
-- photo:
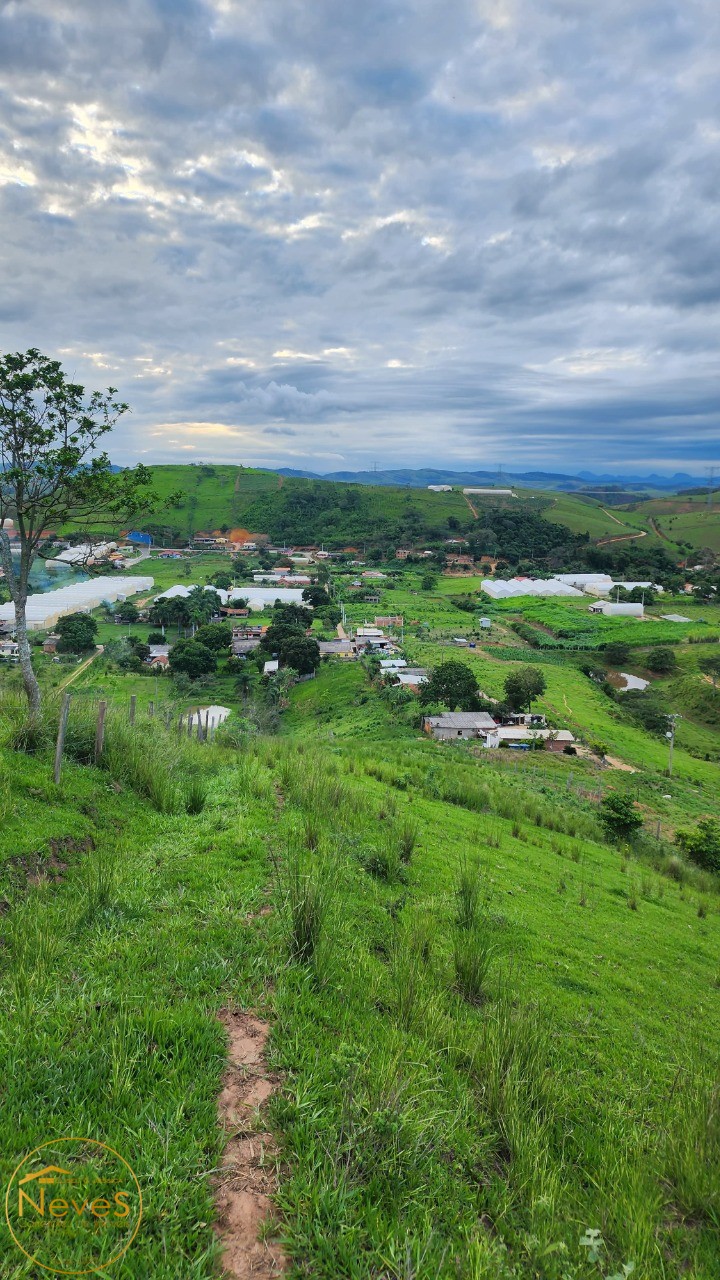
(323, 233)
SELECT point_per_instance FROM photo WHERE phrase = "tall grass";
(467, 895)
(473, 954)
(691, 1156)
(304, 890)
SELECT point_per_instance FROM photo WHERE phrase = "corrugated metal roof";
(463, 720)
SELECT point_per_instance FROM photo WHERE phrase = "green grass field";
(503, 1035)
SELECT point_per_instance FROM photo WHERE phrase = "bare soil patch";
(247, 1180)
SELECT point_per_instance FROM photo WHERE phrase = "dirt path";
(79, 670)
(623, 537)
(247, 1180)
(472, 508)
(657, 530)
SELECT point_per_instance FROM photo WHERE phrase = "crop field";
(572, 624)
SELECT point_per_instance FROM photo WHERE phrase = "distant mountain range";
(583, 480)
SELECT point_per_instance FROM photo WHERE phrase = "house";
(158, 663)
(369, 634)
(271, 666)
(464, 563)
(392, 620)
(336, 649)
(251, 632)
(159, 651)
(454, 725)
(9, 651)
(486, 623)
(50, 643)
(526, 718)
(402, 553)
(392, 664)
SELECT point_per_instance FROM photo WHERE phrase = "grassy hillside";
(297, 510)
(501, 1035)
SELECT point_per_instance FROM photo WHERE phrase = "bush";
(619, 817)
(661, 660)
(702, 845)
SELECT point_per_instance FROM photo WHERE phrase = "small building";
(390, 620)
(489, 493)
(159, 651)
(613, 610)
(454, 725)
(402, 553)
(50, 643)
(485, 623)
(440, 488)
(9, 651)
(271, 666)
(392, 664)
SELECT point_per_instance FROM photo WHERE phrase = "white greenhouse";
(498, 589)
(44, 609)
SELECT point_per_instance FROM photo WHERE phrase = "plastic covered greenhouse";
(44, 609)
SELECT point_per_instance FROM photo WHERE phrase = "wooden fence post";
(207, 722)
(62, 726)
(190, 721)
(100, 730)
(151, 708)
(133, 700)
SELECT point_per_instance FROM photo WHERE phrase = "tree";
(215, 635)
(617, 652)
(192, 659)
(428, 582)
(222, 580)
(301, 653)
(662, 660)
(51, 473)
(523, 686)
(711, 666)
(127, 612)
(619, 817)
(453, 684)
(77, 633)
(316, 597)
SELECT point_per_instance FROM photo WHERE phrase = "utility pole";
(711, 477)
(670, 735)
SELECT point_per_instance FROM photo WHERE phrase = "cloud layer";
(329, 234)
